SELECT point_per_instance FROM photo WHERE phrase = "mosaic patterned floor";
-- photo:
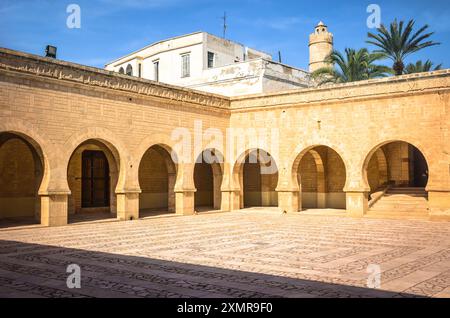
(249, 253)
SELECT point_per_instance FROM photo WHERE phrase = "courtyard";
(256, 252)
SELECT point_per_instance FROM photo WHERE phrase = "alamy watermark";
(374, 278)
(374, 19)
(221, 144)
(74, 278)
(73, 21)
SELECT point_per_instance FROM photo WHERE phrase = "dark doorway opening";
(252, 185)
(95, 179)
(418, 168)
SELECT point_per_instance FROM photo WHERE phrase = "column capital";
(229, 189)
(186, 190)
(287, 189)
(50, 192)
(356, 190)
(128, 190)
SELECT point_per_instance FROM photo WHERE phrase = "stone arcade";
(76, 139)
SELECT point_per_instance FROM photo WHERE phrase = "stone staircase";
(401, 202)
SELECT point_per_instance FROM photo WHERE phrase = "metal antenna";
(224, 18)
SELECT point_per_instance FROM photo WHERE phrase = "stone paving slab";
(249, 253)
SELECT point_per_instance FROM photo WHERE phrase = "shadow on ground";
(18, 222)
(32, 270)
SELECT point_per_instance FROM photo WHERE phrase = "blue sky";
(112, 28)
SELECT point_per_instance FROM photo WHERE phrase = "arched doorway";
(92, 175)
(397, 174)
(399, 171)
(21, 173)
(398, 164)
(258, 179)
(321, 175)
(208, 171)
(157, 177)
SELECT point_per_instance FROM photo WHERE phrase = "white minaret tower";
(320, 46)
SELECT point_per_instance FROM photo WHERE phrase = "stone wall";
(355, 120)
(18, 179)
(57, 106)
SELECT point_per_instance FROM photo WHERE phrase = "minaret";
(320, 46)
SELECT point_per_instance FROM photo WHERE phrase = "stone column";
(184, 201)
(321, 200)
(128, 204)
(217, 193)
(357, 202)
(230, 199)
(289, 200)
(439, 203)
(39, 173)
(171, 193)
(54, 208)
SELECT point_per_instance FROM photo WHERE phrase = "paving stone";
(232, 254)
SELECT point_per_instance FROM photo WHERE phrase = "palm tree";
(399, 41)
(354, 66)
(420, 67)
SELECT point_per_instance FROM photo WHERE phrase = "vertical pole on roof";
(224, 18)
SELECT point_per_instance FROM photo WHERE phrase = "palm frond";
(400, 41)
(352, 65)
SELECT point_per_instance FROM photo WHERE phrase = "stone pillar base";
(289, 201)
(321, 200)
(439, 205)
(184, 202)
(128, 205)
(230, 200)
(54, 209)
(357, 203)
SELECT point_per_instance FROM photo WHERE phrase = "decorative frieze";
(32, 64)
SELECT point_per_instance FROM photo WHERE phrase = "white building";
(209, 63)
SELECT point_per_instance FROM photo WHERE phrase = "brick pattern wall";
(307, 175)
(18, 181)
(60, 104)
(252, 184)
(153, 173)
(204, 183)
(334, 171)
(397, 156)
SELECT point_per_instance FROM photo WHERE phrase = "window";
(185, 65)
(210, 59)
(121, 71)
(129, 70)
(140, 70)
(156, 71)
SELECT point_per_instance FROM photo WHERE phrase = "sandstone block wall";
(57, 106)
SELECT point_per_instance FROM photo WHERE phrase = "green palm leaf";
(353, 65)
(400, 41)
